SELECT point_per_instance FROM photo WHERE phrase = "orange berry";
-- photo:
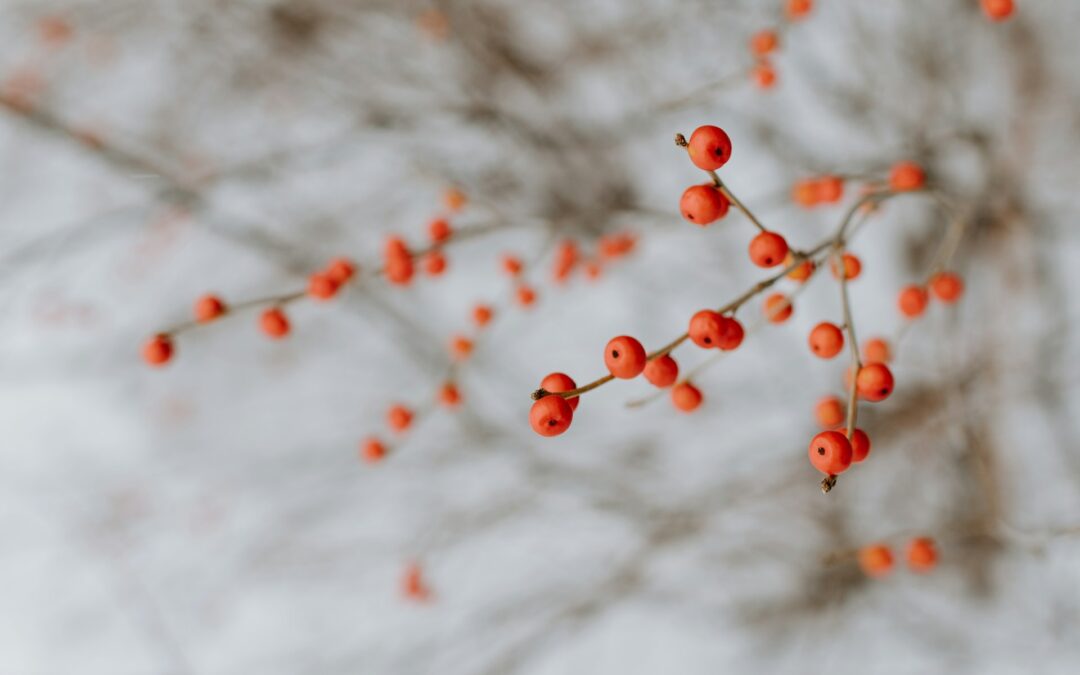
(624, 357)
(551, 415)
(662, 371)
(705, 328)
(852, 267)
(413, 585)
(803, 271)
(798, 9)
(274, 323)
(686, 397)
(208, 308)
(946, 286)
(525, 296)
(777, 308)
(461, 347)
(512, 264)
(921, 555)
(874, 382)
(876, 350)
(454, 199)
(482, 315)
(906, 176)
(709, 148)
(997, 10)
(764, 75)
(158, 350)
(768, 249)
(830, 189)
(399, 418)
(912, 301)
(830, 452)
(764, 42)
(876, 561)
(703, 204)
(560, 382)
(829, 412)
(805, 193)
(372, 450)
(439, 230)
(731, 334)
(321, 286)
(449, 396)
(860, 444)
(616, 245)
(826, 340)
(341, 270)
(398, 262)
(434, 263)
(565, 259)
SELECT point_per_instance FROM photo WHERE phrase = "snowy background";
(213, 517)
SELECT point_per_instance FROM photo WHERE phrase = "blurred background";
(215, 516)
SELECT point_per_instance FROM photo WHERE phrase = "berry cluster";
(868, 378)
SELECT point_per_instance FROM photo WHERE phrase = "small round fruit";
(439, 230)
(777, 308)
(764, 42)
(372, 450)
(449, 395)
(947, 287)
(912, 301)
(768, 249)
(998, 10)
(731, 334)
(922, 555)
(829, 412)
(805, 193)
(686, 397)
(860, 444)
(830, 452)
(624, 357)
(906, 176)
(703, 204)
(709, 148)
(852, 267)
(158, 350)
(705, 328)
(876, 561)
(341, 270)
(551, 415)
(801, 272)
(662, 371)
(560, 382)
(208, 308)
(399, 418)
(874, 382)
(274, 323)
(830, 189)
(321, 286)
(826, 340)
(876, 350)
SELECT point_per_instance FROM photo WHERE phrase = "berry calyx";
(768, 249)
(777, 308)
(703, 204)
(208, 308)
(709, 148)
(922, 555)
(874, 382)
(830, 452)
(826, 340)
(274, 323)
(551, 415)
(560, 382)
(876, 561)
(624, 357)
(860, 444)
(158, 350)
(661, 371)
(947, 286)
(906, 176)
(686, 397)
(829, 412)
(399, 418)
(912, 301)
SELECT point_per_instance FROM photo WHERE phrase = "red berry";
(803, 271)
(830, 452)
(551, 415)
(525, 296)
(777, 308)
(764, 75)
(208, 308)
(830, 189)
(805, 193)
(829, 412)
(912, 301)
(874, 382)
(274, 323)
(876, 350)
(482, 315)
(731, 334)
(413, 585)
(709, 148)
(876, 561)
(461, 347)
(341, 270)
(947, 287)
(512, 264)
(998, 10)
(686, 397)
(798, 9)
(616, 245)
(624, 357)
(705, 328)
(826, 340)
(565, 259)
(906, 176)
(922, 555)
(398, 262)
(449, 396)
(764, 42)
(662, 371)
(860, 444)
(439, 230)
(372, 450)
(434, 263)
(454, 199)
(158, 350)
(560, 382)
(768, 249)
(703, 204)
(321, 286)
(852, 266)
(399, 418)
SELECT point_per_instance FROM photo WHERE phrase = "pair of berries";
(709, 149)
(809, 192)
(663, 371)
(325, 284)
(945, 286)
(713, 330)
(832, 452)
(552, 414)
(398, 262)
(876, 560)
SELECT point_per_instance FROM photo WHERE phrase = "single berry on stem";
(922, 555)
(912, 301)
(686, 397)
(703, 204)
(158, 350)
(826, 340)
(709, 148)
(274, 323)
(777, 308)
(208, 308)
(399, 418)
(860, 444)
(830, 452)
(876, 561)
(661, 371)
(768, 249)
(876, 350)
(874, 382)
(551, 415)
(829, 412)
(624, 357)
(559, 382)
(947, 286)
